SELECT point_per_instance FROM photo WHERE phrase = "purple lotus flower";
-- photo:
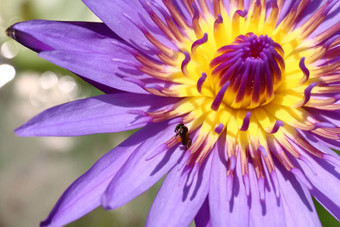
(238, 102)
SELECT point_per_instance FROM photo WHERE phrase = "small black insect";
(183, 132)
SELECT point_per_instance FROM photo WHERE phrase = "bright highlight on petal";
(252, 90)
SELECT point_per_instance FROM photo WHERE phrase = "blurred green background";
(35, 171)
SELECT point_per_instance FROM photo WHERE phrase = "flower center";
(251, 69)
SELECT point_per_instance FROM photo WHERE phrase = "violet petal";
(298, 206)
(138, 174)
(101, 114)
(202, 218)
(224, 212)
(42, 35)
(326, 193)
(269, 211)
(84, 194)
(118, 15)
(177, 199)
(97, 67)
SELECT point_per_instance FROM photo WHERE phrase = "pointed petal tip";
(26, 130)
(50, 222)
(14, 31)
(105, 202)
(10, 32)
(108, 203)
(21, 132)
(21, 32)
(107, 207)
(45, 223)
